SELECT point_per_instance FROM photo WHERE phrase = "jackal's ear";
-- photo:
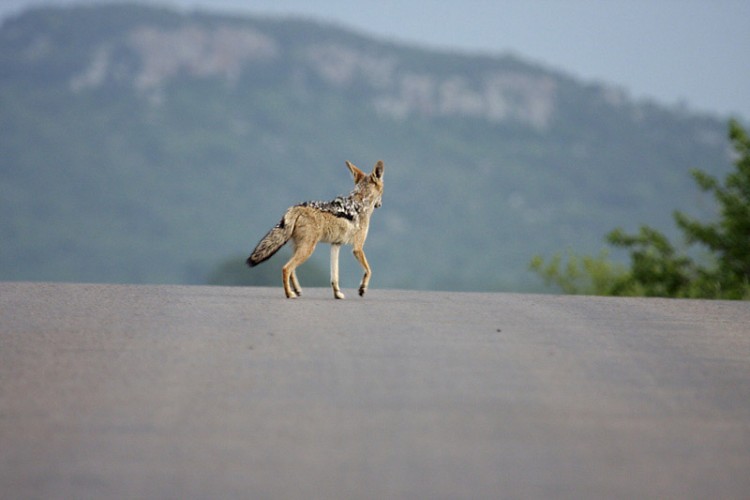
(357, 173)
(378, 170)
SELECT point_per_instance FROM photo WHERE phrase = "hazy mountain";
(148, 145)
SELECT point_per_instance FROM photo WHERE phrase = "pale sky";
(694, 52)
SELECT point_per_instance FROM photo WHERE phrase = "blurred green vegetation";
(235, 272)
(658, 267)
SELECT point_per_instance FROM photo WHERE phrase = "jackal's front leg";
(359, 253)
(335, 271)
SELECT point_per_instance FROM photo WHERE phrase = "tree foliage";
(660, 269)
(582, 275)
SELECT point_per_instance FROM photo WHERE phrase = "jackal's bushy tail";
(271, 242)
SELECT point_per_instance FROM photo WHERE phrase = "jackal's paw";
(291, 295)
(338, 295)
(362, 291)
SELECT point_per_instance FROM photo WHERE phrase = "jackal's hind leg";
(295, 283)
(359, 253)
(302, 252)
(335, 271)
(285, 277)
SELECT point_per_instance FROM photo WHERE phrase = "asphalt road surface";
(209, 392)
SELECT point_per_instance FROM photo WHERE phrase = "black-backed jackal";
(341, 221)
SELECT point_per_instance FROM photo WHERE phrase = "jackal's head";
(369, 188)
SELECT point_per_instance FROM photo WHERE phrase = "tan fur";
(308, 224)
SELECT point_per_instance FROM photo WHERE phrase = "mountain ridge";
(168, 125)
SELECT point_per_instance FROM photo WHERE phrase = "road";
(116, 391)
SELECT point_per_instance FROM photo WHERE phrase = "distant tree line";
(659, 268)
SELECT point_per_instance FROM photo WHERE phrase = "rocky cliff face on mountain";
(395, 90)
(148, 145)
